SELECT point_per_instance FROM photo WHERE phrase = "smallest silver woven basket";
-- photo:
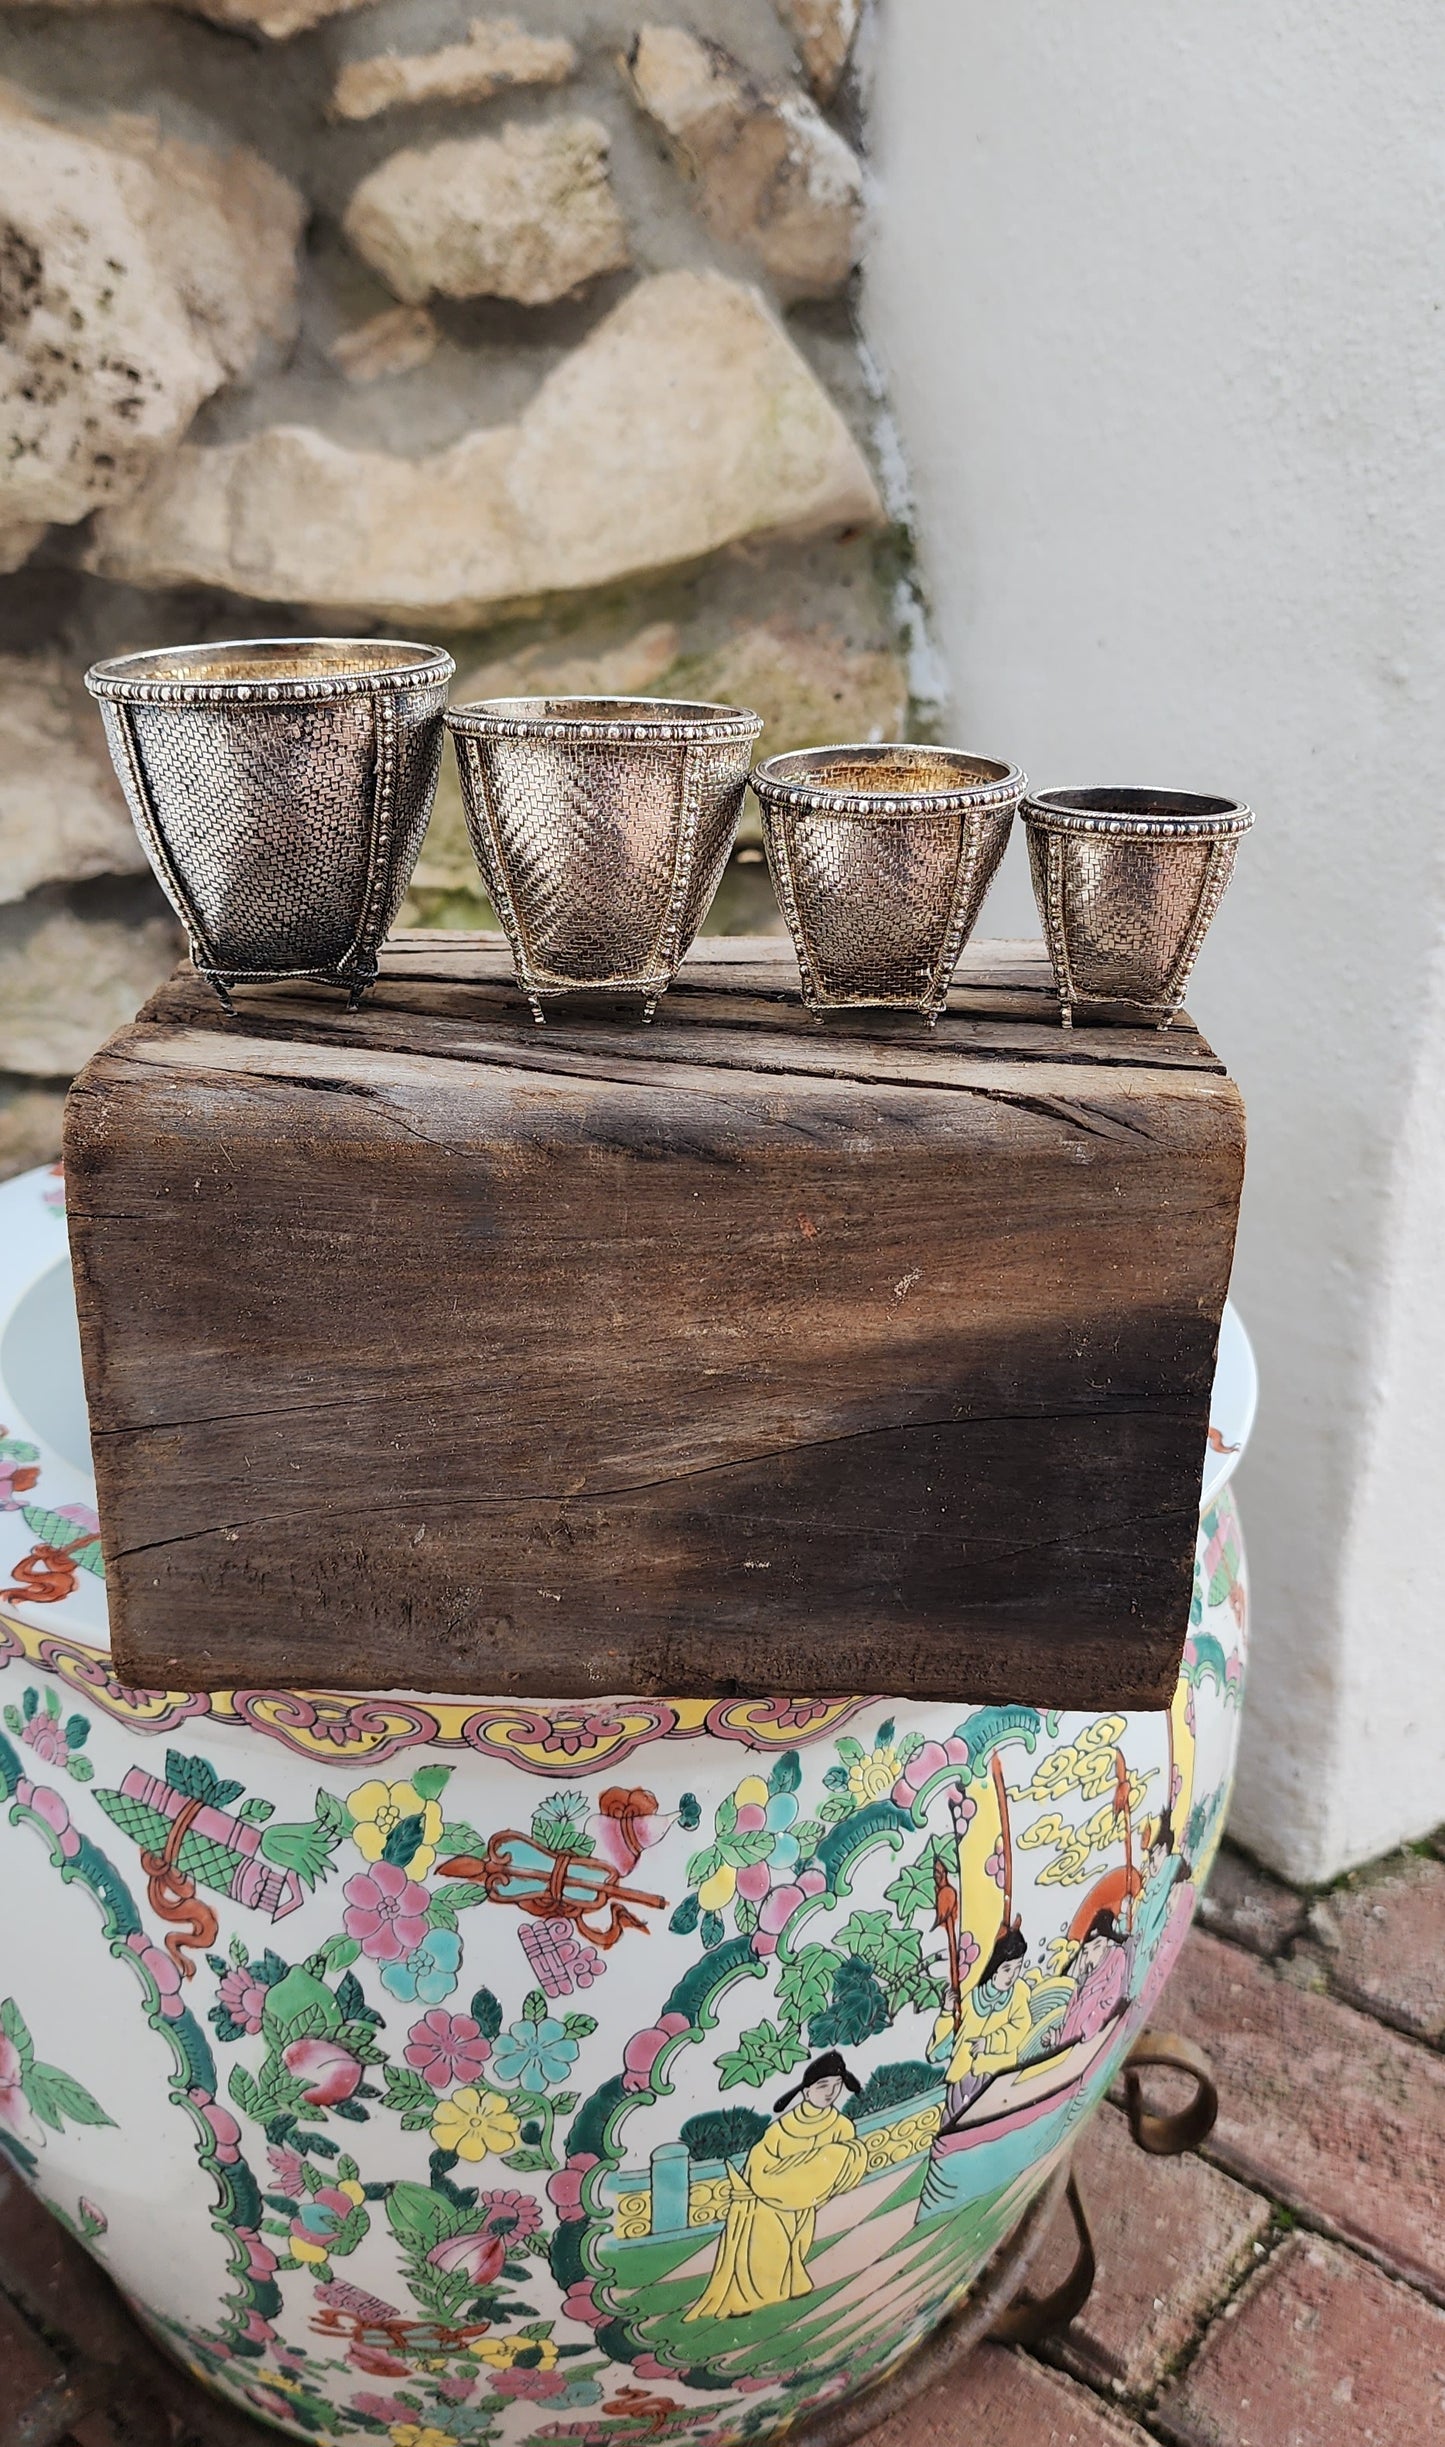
(1127, 883)
(280, 787)
(601, 826)
(881, 855)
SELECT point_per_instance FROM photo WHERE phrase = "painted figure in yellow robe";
(808, 2155)
(994, 2023)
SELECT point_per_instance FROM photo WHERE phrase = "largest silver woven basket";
(601, 826)
(280, 788)
(881, 855)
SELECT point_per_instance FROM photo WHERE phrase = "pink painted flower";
(386, 2409)
(15, 2112)
(288, 2171)
(564, 2189)
(644, 2048)
(45, 1734)
(457, 2386)
(510, 2213)
(242, 1997)
(326, 2070)
(529, 2383)
(445, 2047)
(478, 2256)
(385, 1912)
(223, 2124)
(581, 2304)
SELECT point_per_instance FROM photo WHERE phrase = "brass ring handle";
(1032, 2317)
(1168, 2136)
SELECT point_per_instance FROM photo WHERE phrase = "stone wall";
(532, 335)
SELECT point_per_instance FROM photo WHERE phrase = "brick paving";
(1282, 2290)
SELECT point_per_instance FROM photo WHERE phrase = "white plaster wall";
(1159, 295)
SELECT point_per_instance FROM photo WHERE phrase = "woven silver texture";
(601, 826)
(881, 856)
(1127, 883)
(280, 788)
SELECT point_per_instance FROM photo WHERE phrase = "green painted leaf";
(913, 1890)
(13, 2024)
(684, 1919)
(760, 2055)
(430, 1782)
(57, 2097)
(405, 1840)
(857, 2010)
(245, 2092)
(486, 2012)
(806, 1984)
(786, 1774)
(579, 2026)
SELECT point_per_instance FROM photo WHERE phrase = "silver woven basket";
(280, 788)
(881, 856)
(601, 826)
(1127, 882)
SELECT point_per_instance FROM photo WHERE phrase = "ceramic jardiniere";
(605, 2070)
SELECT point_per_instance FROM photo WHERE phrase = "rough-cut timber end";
(428, 1350)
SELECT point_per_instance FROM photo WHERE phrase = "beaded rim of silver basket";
(152, 677)
(196, 676)
(1165, 815)
(796, 779)
(795, 785)
(644, 723)
(1129, 813)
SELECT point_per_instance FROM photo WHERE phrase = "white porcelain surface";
(387, 2151)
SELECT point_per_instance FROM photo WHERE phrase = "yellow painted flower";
(871, 1778)
(420, 2434)
(502, 2352)
(378, 1810)
(716, 1892)
(471, 2122)
(752, 1789)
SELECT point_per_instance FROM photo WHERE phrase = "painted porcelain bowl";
(437, 2070)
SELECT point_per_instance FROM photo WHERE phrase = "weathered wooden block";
(429, 1350)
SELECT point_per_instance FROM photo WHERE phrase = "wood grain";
(428, 1349)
